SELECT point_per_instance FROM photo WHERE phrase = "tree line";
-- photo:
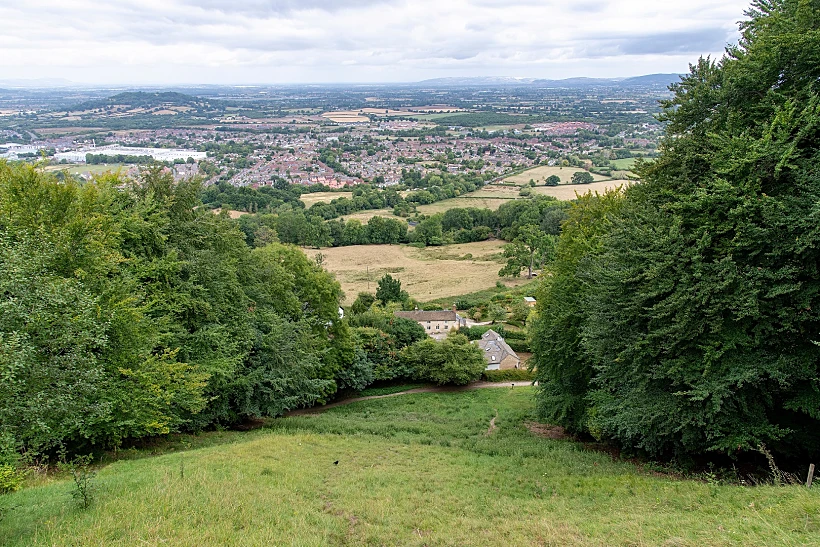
(127, 311)
(682, 314)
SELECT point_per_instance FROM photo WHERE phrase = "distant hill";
(144, 99)
(650, 80)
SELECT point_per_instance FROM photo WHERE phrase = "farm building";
(498, 354)
(436, 323)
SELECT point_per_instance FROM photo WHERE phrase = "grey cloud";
(695, 41)
(261, 8)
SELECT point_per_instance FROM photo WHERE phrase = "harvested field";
(350, 116)
(567, 192)
(312, 199)
(231, 213)
(540, 174)
(427, 274)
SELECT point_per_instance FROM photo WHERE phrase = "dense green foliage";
(685, 318)
(126, 312)
(452, 361)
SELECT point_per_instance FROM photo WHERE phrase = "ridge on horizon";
(445, 81)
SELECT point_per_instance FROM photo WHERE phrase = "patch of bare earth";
(492, 424)
(555, 432)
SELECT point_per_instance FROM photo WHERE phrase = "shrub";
(511, 375)
(10, 479)
(518, 345)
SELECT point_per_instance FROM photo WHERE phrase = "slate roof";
(494, 346)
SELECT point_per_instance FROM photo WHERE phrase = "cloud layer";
(281, 41)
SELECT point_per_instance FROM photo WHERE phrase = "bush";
(10, 479)
(453, 361)
(511, 375)
(518, 345)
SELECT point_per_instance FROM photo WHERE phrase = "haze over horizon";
(177, 42)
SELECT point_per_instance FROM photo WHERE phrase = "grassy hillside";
(413, 470)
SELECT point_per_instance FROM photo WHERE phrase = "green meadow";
(423, 469)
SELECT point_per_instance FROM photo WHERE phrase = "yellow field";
(494, 196)
(567, 192)
(427, 274)
(350, 116)
(312, 199)
(539, 175)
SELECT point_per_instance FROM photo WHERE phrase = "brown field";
(427, 274)
(312, 199)
(566, 192)
(231, 213)
(540, 174)
(350, 116)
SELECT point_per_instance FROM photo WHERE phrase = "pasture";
(542, 172)
(312, 199)
(421, 469)
(364, 216)
(426, 274)
(624, 164)
(81, 169)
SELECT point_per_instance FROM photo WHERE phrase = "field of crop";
(567, 192)
(426, 274)
(539, 175)
(423, 469)
(327, 197)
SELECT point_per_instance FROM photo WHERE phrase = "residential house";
(435, 323)
(498, 354)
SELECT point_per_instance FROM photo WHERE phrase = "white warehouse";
(159, 154)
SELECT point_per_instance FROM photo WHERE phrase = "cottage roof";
(418, 315)
(494, 347)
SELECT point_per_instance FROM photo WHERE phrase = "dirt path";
(433, 389)
(492, 424)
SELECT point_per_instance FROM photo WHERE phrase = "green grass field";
(92, 169)
(624, 164)
(422, 469)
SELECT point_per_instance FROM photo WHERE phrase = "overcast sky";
(294, 41)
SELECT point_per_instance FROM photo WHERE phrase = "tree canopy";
(696, 299)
